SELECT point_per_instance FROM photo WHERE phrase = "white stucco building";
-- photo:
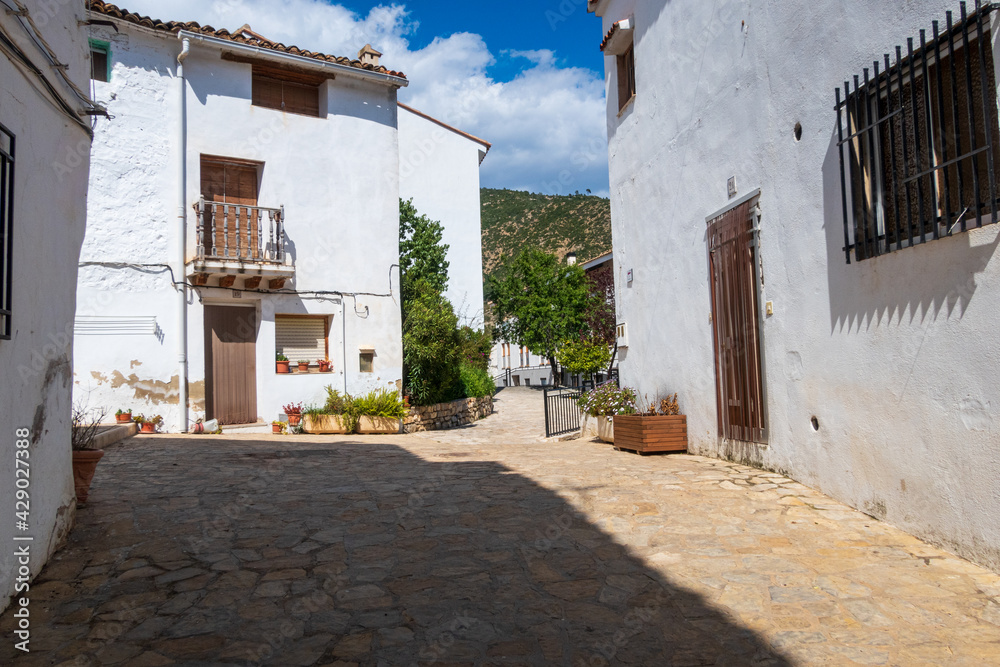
(439, 170)
(44, 148)
(815, 283)
(243, 204)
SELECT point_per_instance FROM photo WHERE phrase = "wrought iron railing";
(236, 232)
(6, 229)
(562, 413)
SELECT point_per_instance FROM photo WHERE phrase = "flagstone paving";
(485, 546)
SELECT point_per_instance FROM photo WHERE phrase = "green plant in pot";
(148, 424)
(123, 417)
(281, 364)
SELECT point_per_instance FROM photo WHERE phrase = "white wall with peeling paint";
(897, 357)
(439, 170)
(49, 215)
(336, 176)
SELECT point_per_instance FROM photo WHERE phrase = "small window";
(626, 76)
(285, 90)
(367, 362)
(100, 61)
(302, 337)
(6, 228)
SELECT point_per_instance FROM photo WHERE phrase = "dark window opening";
(100, 61)
(289, 91)
(920, 142)
(626, 76)
(367, 360)
(6, 229)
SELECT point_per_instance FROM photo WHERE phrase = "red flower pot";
(124, 418)
(293, 420)
(282, 366)
(304, 368)
(275, 428)
(148, 428)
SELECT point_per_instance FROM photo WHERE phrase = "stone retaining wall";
(444, 416)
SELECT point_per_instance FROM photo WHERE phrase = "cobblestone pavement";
(475, 549)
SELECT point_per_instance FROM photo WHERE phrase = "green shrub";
(336, 403)
(379, 403)
(476, 347)
(431, 351)
(609, 400)
(476, 382)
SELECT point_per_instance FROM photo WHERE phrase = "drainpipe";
(180, 277)
(343, 335)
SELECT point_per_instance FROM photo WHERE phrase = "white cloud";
(547, 125)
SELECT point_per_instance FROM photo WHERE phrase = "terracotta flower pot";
(276, 428)
(324, 366)
(304, 368)
(148, 428)
(293, 420)
(84, 467)
(124, 418)
(282, 366)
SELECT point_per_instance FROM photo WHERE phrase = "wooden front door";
(232, 188)
(732, 245)
(231, 364)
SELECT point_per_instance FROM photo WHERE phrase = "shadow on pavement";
(217, 551)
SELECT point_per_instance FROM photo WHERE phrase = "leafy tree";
(540, 302)
(602, 320)
(584, 356)
(431, 349)
(422, 255)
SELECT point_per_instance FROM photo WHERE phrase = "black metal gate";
(562, 414)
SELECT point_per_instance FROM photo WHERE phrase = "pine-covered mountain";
(513, 219)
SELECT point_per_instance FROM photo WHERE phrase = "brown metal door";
(732, 244)
(231, 364)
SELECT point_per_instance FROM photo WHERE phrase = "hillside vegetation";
(514, 219)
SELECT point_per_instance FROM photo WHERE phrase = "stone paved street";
(486, 546)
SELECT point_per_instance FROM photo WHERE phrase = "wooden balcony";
(240, 241)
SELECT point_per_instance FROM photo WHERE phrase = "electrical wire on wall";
(49, 92)
(319, 295)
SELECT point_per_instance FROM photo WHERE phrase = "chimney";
(369, 56)
(571, 258)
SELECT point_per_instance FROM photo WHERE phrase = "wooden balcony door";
(231, 364)
(741, 398)
(236, 227)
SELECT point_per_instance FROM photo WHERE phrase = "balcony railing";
(236, 232)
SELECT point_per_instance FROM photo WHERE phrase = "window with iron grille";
(919, 141)
(6, 228)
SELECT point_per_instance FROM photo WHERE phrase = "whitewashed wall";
(50, 191)
(337, 178)
(897, 357)
(439, 170)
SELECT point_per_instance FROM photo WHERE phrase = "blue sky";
(525, 75)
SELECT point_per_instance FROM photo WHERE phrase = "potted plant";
(604, 403)
(294, 413)
(659, 428)
(333, 417)
(281, 364)
(324, 366)
(85, 457)
(303, 365)
(148, 424)
(277, 427)
(380, 411)
(123, 417)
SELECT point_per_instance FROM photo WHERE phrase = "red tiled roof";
(611, 33)
(447, 126)
(242, 36)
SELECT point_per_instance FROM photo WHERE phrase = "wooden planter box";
(651, 434)
(379, 425)
(323, 424)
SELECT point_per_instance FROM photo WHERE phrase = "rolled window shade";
(301, 338)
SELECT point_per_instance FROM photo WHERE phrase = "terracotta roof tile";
(243, 35)
(611, 33)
